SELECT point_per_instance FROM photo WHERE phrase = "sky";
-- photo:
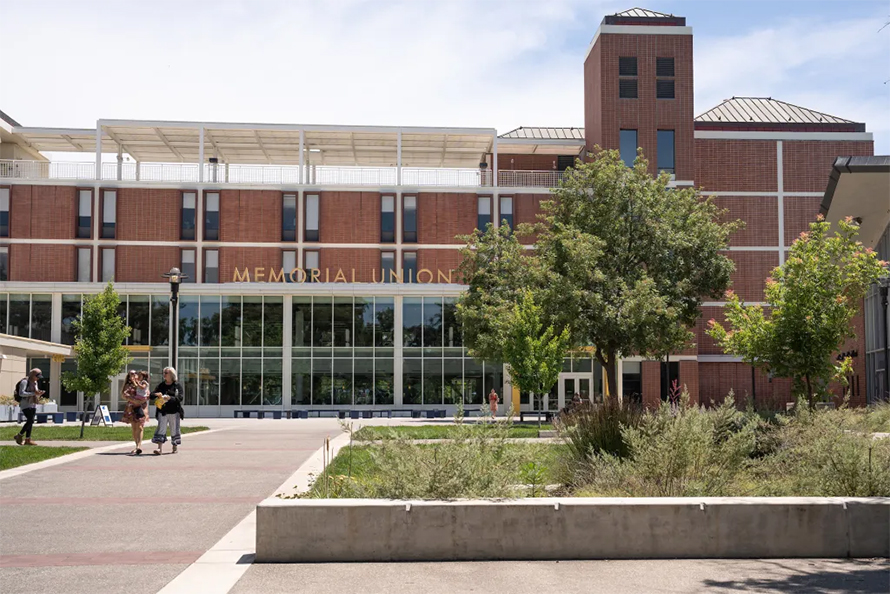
(479, 63)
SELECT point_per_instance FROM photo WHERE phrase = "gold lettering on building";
(238, 278)
(420, 274)
(299, 275)
(258, 274)
(276, 277)
(340, 278)
(442, 278)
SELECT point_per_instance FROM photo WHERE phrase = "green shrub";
(593, 429)
(677, 452)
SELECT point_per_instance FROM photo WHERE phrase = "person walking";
(29, 394)
(168, 400)
(493, 403)
(135, 393)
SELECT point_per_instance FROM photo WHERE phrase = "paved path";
(114, 523)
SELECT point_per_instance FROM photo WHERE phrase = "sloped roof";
(545, 133)
(643, 16)
(643, 13)
(766, 110)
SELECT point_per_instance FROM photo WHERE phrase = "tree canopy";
(812, 299)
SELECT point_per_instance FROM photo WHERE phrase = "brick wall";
(148, 214)
(436, 260)
(247, 257)
(41, 263)
(365, 262)
(800, 211)
(442, 216)
(526, 208)
(43, 212)
(651, 372)
(751, 271)
(736, 165)
(760, 214)
(249, 216)
(689, 379)
(807, 163)
(349, 217)
(144, 264)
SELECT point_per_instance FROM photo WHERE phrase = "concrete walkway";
(109, 522)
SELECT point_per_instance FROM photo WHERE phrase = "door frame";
(575, 377)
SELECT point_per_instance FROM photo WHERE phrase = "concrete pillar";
(287, 354)
(397, 344)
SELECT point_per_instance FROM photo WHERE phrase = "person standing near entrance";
(29, 393)
(136, 412)
(493, 402)
(168, 400)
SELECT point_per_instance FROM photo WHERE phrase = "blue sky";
(484, 63)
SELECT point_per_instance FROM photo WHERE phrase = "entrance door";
(574, 383)
(114, 400)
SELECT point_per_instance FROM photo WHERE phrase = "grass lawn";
(436, 431)
(12, 456)
(362, 463)
(72, 433)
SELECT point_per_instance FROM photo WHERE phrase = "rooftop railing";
(274, 174)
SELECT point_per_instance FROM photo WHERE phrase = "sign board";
(101, 415)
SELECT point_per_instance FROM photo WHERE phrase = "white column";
(397, 350)
(619, 378)
(201, 154)
(495, 208)
(302, 160)
(120, 162)
(55, 332)
(55, 381)
(199, 235)
(300, 227)
(138, 170)
(287, 350)
(399, 158)
(780, 188)
(95, 220)
(98, 151)
(494, 161)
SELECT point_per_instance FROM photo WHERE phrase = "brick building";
(321, 259)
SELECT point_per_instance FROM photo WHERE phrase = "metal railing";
(275, 174)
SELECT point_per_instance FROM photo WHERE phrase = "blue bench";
(43, 417)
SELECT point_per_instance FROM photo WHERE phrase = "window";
(311, 266)
(664, 67)
(4, 268)
(563, 162)
(211, 216)
(4, 212)
(627, 66)
(289, 218)
(628, 148)
(666, 151)
(627, 87)
(409, 219)
(409, 267)
(506, 212)
(109, 213)
(188, 216)
(211, 266)
(288, 264)
(84, 210)
(387, 219)
(484, 214)
(388, 266)
(312, 217)
(664, 89)
(107, 265)
(664, 84)
(84, 272)
(188, 266)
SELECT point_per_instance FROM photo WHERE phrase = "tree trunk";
(810, 393)
(609, 372)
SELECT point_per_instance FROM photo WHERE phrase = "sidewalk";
(115, 523)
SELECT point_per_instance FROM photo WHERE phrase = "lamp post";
(175, 276)
(884, 288)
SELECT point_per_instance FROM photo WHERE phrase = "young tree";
(99, 347)
(629, 260)
(812, 299)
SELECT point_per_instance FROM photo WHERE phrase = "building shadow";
(850, 577)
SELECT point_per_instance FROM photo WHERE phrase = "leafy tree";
(99, 347)
(628, 260)
(812, 298)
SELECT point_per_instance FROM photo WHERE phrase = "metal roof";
(766, 110)
(545, 133)
(279, 144)
(643, 13)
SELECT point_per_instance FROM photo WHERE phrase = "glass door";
(571, 384)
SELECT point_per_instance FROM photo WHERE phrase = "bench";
(537, 414)
(436, 413)
(43, 417)
(412, 412)
(341, 414)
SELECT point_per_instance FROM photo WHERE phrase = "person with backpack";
(27, 394)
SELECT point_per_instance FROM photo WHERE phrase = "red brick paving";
(109, 558)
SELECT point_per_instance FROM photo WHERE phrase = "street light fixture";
(884, 288)
(175, 276)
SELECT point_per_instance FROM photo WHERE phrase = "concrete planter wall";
(9, 413)
(292, 531)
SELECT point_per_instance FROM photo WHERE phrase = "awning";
(859, 187)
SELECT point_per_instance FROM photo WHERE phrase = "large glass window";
(289, 218)
(252, 328)
(312, 212)
(342, 381)
(251, 381)
(230, 332)
(210, 321)
(160, 320)
(364, 381)
(483, 216)
(412, 322)
(230, 382)
(211, 216)
(273, 320)
(19, 315)
(84, 212)
(189, 324)
(322, 322)
(272, 381)
(139, 318)
(384, 321)
(409, 219)
(188, 215)
(84, 265)
(343, 314)
(41, 317)
(387, 219)
(209, 378)
(302, 321)
(363, 322)
(666, 151)
(628, 147)
(70, 313)
(322, 383)
(412, 381)
(432, 326)
(452, 337)
(109, 213)
(301, 389)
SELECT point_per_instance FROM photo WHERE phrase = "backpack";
(17, 395)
